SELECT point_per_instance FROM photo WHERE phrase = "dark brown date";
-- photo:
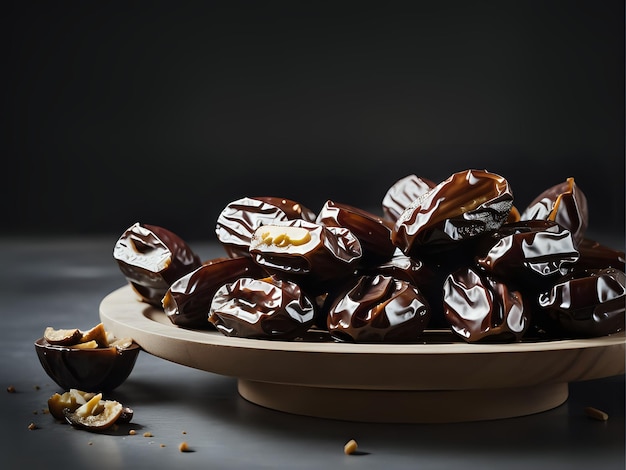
(595, 255)
(305, 252)
(188, 300)
(401, 267)
(402, 193)
(152, 258)
(564, 204)
(239, 219)
(266, 308)
(292, 209)
(379, 309)
(373, 232)
(587, 303)
(464, 206)
(427, 277)
(481, 309)
(530, 253)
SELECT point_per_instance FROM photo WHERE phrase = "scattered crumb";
(45, 411)
(90, 443)
(37, 387)
(32, 426)
(132, 432)
(350, 447)
(161, 445)
(595, 413)
(35, 412)
(183, 447)
(148, 434)
(184, 432)
(11, 389)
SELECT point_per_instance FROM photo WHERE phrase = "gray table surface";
(60, 283)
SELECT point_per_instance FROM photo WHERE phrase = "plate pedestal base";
(404, 406)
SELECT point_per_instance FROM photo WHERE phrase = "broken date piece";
(87, 410)
(71, 400)
(96, 415)
(61, 336)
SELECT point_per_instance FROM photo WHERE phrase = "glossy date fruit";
(464, 206)
(530, 253)
(373, 232)
(481, 309)
(595, 255)
(188, 300)
(152, 258)
(240, 218)
(587, 303)
(402, 193)
(401, 267)
(292, 209)
(379, 309)
(267, 308)
(306, 252)
(428, 277)
(564, 204)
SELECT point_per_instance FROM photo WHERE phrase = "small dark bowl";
(89, 370)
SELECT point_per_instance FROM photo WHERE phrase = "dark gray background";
(163, 112)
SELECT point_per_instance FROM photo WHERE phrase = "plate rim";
(364, 366)
(145, 321)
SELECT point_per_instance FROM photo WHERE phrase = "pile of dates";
(455, 255)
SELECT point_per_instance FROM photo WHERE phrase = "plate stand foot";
(404, 406)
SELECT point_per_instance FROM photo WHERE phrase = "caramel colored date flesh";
(267, 308)
(465, 205)
(152, 258)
